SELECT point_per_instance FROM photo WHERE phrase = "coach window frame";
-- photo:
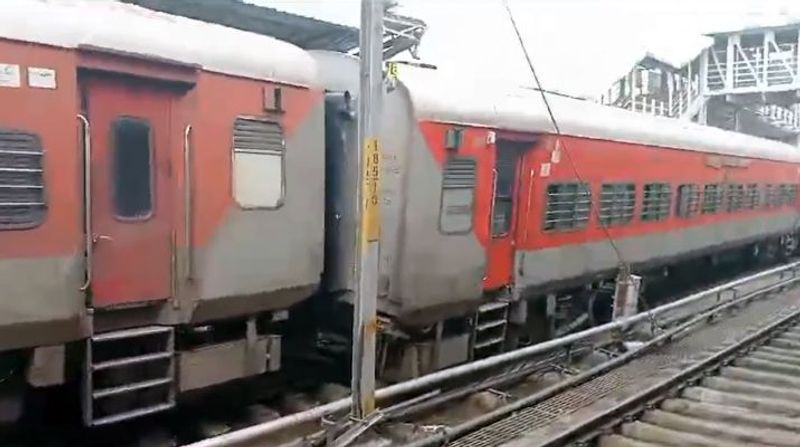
(282, 200)
(752, 196)
(43, 208)
(718, 200)
(734, 197)
(769, 196)
(150, 162)
(581, 224)
(787, 194)
(690, 207)
(613, 220)
(646, 212)
(472, 195)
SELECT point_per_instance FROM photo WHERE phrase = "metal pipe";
(250, 434)
(494, 200)
(87, 199)
(188, 201)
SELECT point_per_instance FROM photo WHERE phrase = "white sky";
(578, 46)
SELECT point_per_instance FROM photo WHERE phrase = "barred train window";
(568, 206)
(771, 196)
(788, 194)
(258, 163)
(712, 198)
(734, 194)
(132, 168)
(458, 193)
(617, 201)
(22, 202)
(656, 201)
(751, 197)
(688, 203)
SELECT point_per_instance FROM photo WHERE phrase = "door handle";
(101, 237)
(87, 199)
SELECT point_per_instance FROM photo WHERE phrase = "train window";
(458, 193)
(568, 206)
(656, 201)
(22, 201)
(132, 168)
(258, 163)
(788, 194)
(771, 196)
(783, 191)
(688, 201)
(751, 197)
(734, 195)
(712, 198)
(617, 201)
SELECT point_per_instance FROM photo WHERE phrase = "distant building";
(651, 86)
(747, 80)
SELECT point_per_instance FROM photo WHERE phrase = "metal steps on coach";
(128, 374)
(489, 329)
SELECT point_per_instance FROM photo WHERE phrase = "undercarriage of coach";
(502, 322)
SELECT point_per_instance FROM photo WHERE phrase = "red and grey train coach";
(489, 213)
(161, 201)
(169, 189)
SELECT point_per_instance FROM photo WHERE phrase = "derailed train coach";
(161, 202)
(494, 226)
(170, 211)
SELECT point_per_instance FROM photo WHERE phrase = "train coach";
(176, 203)
(497, 228)
(161, 202)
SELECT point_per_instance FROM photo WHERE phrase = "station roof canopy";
(402, 33)
(305, 32)
(758, 29)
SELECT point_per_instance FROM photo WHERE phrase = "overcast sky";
(578, 46)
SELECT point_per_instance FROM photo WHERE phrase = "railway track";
(408, 403)
(582, 408)
(745, 395)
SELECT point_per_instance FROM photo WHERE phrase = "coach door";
(500, 256)
(130, 244)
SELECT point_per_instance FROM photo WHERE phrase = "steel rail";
(658, 390)
(254, 433)
(472, 425)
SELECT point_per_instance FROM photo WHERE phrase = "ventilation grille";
(459, 173)
(252, 135)
(21, 180)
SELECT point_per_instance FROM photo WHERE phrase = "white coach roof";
(484, 104)
(112, 25)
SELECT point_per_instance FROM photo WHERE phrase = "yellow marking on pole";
(370, 217)
(391, 70)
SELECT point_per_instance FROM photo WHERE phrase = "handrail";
(87, 199)
(492, 204)
(188, 201)
(246, 436)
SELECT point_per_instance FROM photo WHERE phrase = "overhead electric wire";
(622, 263)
